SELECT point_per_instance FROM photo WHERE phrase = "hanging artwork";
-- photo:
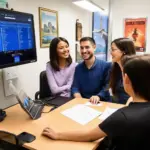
(78, 55)
(136, 30)
(3, 4)
(48, 26)
(78, 30)
(100, 34)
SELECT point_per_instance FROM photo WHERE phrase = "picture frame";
(100, 34)
(48, 26)
(78, 30)
(78, 55)
(136, 29)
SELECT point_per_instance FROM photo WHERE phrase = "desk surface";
(18, 121)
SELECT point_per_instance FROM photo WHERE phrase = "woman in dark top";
(119, 48)
(129, 127)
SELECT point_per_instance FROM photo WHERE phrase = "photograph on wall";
(48, 26)
(78, 30)
(78, 55)
(136, 30)
(100, 34)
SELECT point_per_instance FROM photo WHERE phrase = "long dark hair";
(138, 70)
(125, 45)
(53, 56)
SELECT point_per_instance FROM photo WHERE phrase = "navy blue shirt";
(121, 96)
(93, 81)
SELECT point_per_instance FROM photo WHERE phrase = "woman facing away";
(119, 47)
(60, 69)
(128, 128)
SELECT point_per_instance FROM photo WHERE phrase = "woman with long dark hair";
(119, 48)
(60, 69)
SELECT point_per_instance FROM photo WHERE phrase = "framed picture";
(100, 34)
(135, 28)
(78, 30)
(78, 55)
(48, 20)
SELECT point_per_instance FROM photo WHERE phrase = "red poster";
(136, 30)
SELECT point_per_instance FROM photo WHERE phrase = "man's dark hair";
(138, 70)
(90, 39)
(53, 56)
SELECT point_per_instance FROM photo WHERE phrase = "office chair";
(44, 90)
(45, 93)
(9, 141)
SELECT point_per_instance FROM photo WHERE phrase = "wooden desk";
(18, 121)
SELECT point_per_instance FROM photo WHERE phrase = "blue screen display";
(17, 59)
(15, 36)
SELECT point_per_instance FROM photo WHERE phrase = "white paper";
(107, 112)
(91, 104)
(81, 113)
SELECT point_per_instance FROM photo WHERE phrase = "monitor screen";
(17, 38)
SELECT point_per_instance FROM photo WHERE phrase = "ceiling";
(102, 3)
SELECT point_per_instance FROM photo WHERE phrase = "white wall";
(68, 13)
(129, 9)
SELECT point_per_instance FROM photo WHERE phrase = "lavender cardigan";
(60, 82)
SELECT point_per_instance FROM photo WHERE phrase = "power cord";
(44, 103)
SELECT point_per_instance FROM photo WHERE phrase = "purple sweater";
(60, 82)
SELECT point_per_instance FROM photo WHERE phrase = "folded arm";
(55, 89)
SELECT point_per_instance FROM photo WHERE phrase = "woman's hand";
(50, 133)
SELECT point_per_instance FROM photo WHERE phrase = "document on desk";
(81, 113)
(107, 112)
(91, 104)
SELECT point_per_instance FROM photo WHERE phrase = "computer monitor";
(17, 38)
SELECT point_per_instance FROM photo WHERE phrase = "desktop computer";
(17, 40)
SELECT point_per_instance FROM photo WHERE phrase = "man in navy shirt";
(92, 75)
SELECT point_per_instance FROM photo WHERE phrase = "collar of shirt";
(93, 66)
(139, 104)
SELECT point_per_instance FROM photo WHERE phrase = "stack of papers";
(90, 104)
(107, 112)
(81, 113)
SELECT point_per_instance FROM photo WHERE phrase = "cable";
(51, 109)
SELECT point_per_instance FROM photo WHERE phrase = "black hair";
(138, 70)
(90, 39)
(53, 56)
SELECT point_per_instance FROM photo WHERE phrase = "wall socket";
(9, 74)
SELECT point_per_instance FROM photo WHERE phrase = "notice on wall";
(136, 30)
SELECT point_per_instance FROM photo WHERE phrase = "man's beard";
(90, 56)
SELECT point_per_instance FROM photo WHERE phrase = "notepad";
(107, 112)
(81, 114)
(91, 104)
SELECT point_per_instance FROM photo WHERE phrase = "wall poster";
(100, 34)
(136, 30)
